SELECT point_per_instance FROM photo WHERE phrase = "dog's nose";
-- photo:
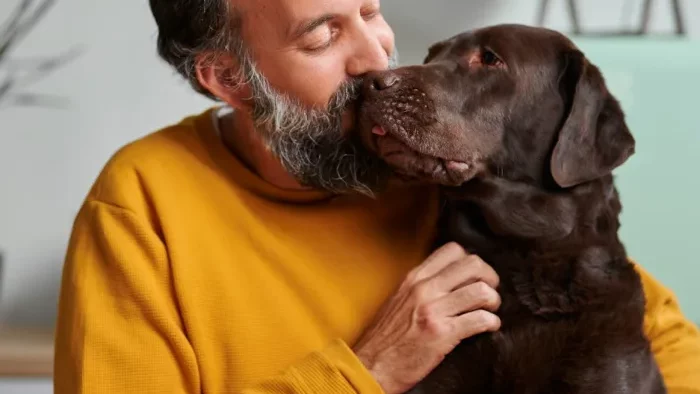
(381, 81)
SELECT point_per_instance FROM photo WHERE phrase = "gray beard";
(310, 142)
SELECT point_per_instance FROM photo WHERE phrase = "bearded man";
(258, 248)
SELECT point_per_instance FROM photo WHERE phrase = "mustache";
(350, 90)
(310, 141)
(346, 95)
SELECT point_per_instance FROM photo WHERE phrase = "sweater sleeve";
(675, 340)
(119, 329)
(334, 369)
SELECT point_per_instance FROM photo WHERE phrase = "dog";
(521, 132)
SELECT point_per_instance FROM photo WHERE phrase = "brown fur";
(519, 127)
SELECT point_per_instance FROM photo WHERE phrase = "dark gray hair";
(188, 29)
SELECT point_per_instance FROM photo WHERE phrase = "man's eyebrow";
(308, 25)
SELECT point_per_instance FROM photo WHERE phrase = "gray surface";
(25, 386)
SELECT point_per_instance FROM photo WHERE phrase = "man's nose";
(369, 55)
(379, 82)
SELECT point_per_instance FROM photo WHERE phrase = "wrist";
(379, 374)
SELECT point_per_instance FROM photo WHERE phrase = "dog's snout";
(381, 81)
(385, 81)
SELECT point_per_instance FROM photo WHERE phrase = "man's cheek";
(385, 35)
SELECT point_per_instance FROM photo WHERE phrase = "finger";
(439, 259)
(476, 322)
(466, 299)
(468, 270)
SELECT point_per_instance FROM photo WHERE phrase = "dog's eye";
(489, 58)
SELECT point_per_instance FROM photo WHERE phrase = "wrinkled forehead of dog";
(517, 45)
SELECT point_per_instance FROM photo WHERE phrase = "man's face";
(303, 79)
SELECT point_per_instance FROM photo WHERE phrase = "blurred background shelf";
(26, 352)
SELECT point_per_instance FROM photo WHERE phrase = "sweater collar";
(206, 125)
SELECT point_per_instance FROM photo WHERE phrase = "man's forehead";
(285, 13)
(298, 7)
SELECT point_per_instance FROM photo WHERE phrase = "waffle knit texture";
(186, 273)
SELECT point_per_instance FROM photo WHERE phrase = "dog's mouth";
(403, 128)
(409, 164)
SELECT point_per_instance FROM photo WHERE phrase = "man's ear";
(219, 75)
(594, 138)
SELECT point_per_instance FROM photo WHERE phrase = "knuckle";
(470, 266)
(424, 311)
(482, 291)
(478, 267)
(430, 325)
(412, 276)
(486, 294)
(476, 263)
(420, 292)
(453, 246)
(486, 320)
(496, 300)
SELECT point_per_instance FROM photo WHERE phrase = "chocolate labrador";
(519, 127)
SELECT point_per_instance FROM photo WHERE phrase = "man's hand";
(449, 297)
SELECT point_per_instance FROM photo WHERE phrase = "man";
(237, 251)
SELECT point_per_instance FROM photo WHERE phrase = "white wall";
(119, 90)
(417, 23)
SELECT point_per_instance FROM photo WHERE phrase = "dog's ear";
(434, 49)
(594, 138)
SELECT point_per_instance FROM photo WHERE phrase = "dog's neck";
(492, 212)
(538, 239)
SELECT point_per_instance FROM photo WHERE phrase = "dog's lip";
(378, 130)
(409, 163)
(446, 170)
(458, 171)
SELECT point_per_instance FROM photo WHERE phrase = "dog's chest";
(524, 356)
(541, 326)
(526, 342)
(545, 335)
(529, 354)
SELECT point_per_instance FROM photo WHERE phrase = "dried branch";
(25, 17)
(39, 100)
(10, 27)
(43, 67)
(21, 23)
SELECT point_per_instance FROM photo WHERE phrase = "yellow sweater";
(186, 273)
